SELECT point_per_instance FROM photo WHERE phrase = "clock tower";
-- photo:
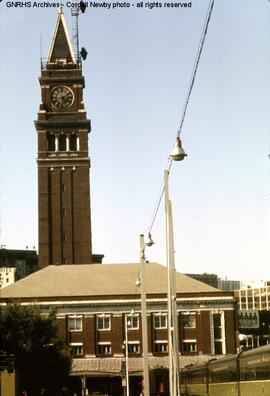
(63, 161)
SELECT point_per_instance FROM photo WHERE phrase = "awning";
(117, 366)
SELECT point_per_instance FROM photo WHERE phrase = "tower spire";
(61, 50)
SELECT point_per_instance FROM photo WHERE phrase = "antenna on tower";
(75, 30)
(75, 11)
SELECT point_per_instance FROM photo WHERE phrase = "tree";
(41, 360)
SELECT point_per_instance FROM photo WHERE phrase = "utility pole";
(144, 318)
(173, 339)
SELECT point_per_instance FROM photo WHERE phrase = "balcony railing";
(61, 63)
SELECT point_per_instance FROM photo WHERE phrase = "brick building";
(17, 264)
(63, 160)
(92, 302)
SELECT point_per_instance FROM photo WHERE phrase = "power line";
(191, 84)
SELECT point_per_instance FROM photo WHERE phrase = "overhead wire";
(182, 119)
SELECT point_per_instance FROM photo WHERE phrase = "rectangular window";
(133, 322)
(160, 321)
(218, 347)
(104, 322)
(188, 320)
(75, 323)
(189, 346)
(104, 348)
(218, 334)
(133, 347)
(161, 347)
(76, 349)
(217, 320)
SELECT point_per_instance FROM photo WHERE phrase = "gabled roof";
(98, 280)
(61, 47)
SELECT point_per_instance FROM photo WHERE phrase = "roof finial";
(60, 10)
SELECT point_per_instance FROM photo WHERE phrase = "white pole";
(126, 348)
(174, 307)
(169, 318)
(174, 382)
(144, 319)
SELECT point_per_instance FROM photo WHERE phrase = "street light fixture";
(178, 154)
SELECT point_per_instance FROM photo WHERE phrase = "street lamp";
(127, 325)
(177, 154)
(143, 244)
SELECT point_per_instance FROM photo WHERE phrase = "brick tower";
(63, 161)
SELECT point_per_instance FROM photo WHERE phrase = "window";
(189, 346)
(75, 323)
(218, 347)
(218, 334)
(104, 348)
(161, 346)
(217, 320)
(133, 347)
(133, 322)
(51, 142)
(188, 320)
(62, 142)
(76, 349)
(160, 321)
(104, 322)
(73, 142)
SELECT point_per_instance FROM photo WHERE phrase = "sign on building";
(248, 319)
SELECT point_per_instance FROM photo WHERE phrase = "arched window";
(73, 142)
(51, 142)
(62, 142)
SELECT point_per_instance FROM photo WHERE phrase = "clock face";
(62, 97)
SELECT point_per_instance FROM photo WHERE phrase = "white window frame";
(161, 342)
(76, 344)
(191, 341)
(104, 343)
(190, 314)
(160, 315)
(103, 317)
(222, 340)
(75, 317)
(130, 322)
(133, 343)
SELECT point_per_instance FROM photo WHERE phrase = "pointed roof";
(61, 47)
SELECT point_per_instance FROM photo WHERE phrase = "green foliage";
(41, 359)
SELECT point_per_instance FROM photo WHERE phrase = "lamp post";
(146, 391)
(127, 324)
(178, 154)
(126, 347)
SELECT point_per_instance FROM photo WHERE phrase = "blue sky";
(137, 74)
